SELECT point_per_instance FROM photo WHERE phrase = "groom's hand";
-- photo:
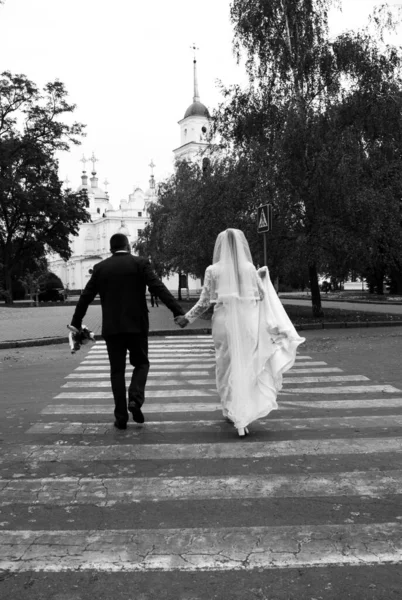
(181, 321)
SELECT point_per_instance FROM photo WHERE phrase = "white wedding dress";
(255, 341)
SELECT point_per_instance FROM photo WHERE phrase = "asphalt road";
(307, 507)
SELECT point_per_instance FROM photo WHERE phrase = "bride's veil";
(237, 290)
(237, 275)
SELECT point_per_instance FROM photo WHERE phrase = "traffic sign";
(264, 218)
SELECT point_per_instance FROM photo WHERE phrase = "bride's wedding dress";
(255, 341)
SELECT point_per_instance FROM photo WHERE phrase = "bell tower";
(195, 125)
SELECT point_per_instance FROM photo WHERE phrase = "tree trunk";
(179, 288)
(379, 282)
(315, 292)
(396, 282)
(8, 287)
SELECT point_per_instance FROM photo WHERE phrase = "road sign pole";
(264, 224)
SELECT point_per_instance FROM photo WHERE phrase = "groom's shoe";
(120, 424)
(136, 411)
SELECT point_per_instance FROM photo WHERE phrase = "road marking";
(367, 403)
(202, 549)
(176, 365)
(149, 394)
(184, 372)
(358, 389)
(62, 491)
(166, 407)
(383, 422)
(162, 347)
(315, 370)
(210, 361)
(325, 378)
(210, 382)
(179, 393)
(312, 363)
(211, 392)
(174, 370)
(150, 383)
(212, 451)
(100, 409)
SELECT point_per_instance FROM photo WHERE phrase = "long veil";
(277, 338)
(237, 290)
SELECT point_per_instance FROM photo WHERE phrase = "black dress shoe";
(120, 424)
(136, 411)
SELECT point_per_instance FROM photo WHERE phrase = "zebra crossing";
(334, 444)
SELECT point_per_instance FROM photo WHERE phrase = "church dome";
(197, 109)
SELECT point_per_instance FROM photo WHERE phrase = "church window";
(140, 214)
(98, 210)
(139, 231)
(185, 133)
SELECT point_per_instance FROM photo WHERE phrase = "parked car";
(52, 295)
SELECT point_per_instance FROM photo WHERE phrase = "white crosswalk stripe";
(290, 424)
(177, 452)
(210, 382)
(336, 415)
(169, 406)
(217, 549)
(105, 492)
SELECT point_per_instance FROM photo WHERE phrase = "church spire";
(94, 179)
(152, 179)
(196, 97)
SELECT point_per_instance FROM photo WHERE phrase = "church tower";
(194, 127)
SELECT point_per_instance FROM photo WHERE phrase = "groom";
(121, 281)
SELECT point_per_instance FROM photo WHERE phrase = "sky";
(127, 65)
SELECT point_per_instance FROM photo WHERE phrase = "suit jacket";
(121, 282)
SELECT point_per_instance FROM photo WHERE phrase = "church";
(91, 245)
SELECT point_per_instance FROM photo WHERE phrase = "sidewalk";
(48, 324)
(32, 326)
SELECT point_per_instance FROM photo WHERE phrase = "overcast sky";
(127, 65)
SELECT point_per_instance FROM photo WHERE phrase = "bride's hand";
(181, 321)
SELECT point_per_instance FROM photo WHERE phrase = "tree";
(293, 123)
(36, 214)
(193, 206)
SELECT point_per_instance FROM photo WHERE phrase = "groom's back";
(121, 284)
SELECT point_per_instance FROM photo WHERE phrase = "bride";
(255, 341)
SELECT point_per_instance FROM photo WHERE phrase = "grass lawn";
(300, 315)
(303, 314)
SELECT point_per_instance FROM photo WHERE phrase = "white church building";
(91, 245)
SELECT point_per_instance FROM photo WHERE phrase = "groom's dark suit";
(121, 282)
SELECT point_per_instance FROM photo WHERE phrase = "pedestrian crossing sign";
(264, 218)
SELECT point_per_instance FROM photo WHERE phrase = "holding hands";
(181, 321)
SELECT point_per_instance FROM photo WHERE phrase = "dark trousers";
(154, 300)
(117, 347)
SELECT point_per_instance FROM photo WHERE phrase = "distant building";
(91, 245)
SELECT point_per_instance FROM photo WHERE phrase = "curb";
(377, 303)
(203, 331)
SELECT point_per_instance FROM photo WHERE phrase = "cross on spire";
(152, 165)
(84, 161)
(106, 183)
(93, 161)
(194, 48)
(196, 97)
(67, 181)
